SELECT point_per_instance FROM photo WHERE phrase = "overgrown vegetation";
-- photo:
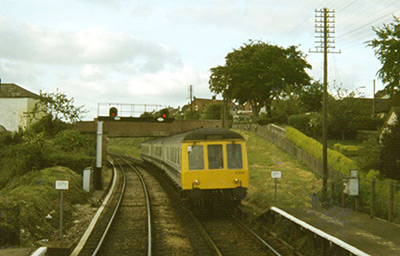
(34, 196)
(126, 146)
(335, 160)
(30, 163)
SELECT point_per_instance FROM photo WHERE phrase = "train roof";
(212, 134)
(201, 134)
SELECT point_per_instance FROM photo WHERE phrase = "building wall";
(12, 111)
(392, 119)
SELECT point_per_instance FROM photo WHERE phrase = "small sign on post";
(61, 185)
(276, 175)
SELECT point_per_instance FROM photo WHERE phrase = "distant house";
(199, 104)
(392, 117)
(14, 101)
(384, 102)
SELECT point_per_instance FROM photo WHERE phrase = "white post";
(99, 143)
(99, 149)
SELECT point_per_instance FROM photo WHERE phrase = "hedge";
(336, 160)
(347, 150)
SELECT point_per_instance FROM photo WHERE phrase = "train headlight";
(196, 182)
(236, 181)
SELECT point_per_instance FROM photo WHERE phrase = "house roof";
(395, 110)
(210, 101)
(384, 102)
(11, 90)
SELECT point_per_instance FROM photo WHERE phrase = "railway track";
(131, 230)
(220, 234)
(157, 222)
(229, 236)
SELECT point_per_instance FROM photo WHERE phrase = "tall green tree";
(387, 50)
(258, 72)
(390, 153)
(311, 97)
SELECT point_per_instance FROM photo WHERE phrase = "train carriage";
(202, 162)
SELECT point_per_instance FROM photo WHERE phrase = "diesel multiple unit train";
(203, 162)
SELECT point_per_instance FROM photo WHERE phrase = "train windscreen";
(215, 157)
(234, 152)
(196, 157)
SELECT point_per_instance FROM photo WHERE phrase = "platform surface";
(370, 235)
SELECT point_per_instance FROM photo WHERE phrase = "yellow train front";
(203, 163)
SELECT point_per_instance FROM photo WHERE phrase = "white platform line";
(321, 233)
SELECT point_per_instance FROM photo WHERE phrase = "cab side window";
(215, 157)
(196, 157)
(234, 152)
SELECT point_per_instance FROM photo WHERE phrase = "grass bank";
(296, 186)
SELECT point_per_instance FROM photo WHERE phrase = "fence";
(377, 198)
(277, 135)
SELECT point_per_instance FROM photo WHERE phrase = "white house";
(14, 101)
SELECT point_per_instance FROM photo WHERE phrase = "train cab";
(215, 163)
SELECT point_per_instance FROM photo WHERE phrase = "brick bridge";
(136, 127)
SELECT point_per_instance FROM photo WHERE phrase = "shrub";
(300, 122)
(366, 123)
(35, 196)
(347, 150)
(336, 160)
(76, 161)
(72, 140)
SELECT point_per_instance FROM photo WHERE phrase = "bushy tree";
(311, 97)
(390, 154)
(369, 154)
(258, 72)
(387, 50)
(343, 111)
(56, 106)
(212, 111)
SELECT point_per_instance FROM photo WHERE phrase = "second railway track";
(129, 232)
(162, 225)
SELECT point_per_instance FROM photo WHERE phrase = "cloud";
(92, 73)
(95, 45)
(167, 87)
(171, 87)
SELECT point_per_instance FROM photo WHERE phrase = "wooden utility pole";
(190, 97)
(373, 100)
(325, 28)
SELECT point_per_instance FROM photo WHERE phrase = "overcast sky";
(149, 51)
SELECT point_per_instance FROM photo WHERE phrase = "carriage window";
(215, 157)
(234, 152)
(196, 157)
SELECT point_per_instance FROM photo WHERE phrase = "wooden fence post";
(391, 201)
(372, 198)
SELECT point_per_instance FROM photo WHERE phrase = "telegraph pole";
(324, 29)
(191, 103)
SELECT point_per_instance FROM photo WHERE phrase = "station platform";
(372, 236)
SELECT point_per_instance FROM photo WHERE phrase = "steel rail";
(256, 236)
(203, 231)
(147, 205)
(114, 213)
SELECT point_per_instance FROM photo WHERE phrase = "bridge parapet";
(137, 128)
